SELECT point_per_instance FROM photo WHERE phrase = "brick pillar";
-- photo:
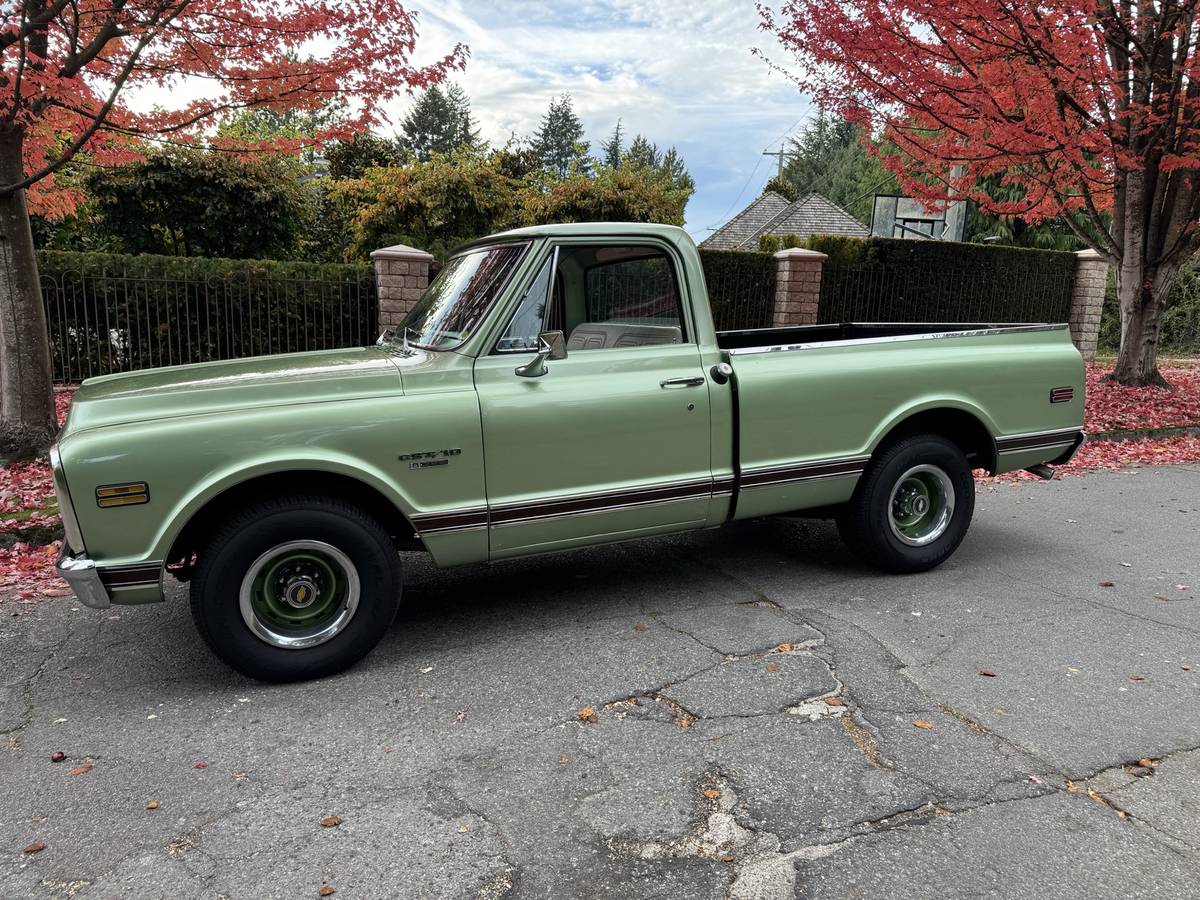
(401, 276)
(797, 287)
(1087, 300)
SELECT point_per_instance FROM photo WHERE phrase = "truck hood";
(235, 384)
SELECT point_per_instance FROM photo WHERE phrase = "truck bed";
(854, 331)
(812, 403)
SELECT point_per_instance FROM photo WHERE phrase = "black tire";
(343, 545)
(866, 524)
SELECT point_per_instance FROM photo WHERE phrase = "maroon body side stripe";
(1035, 441)
(130, 576)
(604, 501)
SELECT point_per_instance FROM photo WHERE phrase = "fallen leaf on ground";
(57, 756)
(1107, 584)
(923, 724)
(463, 829)
(687, 722)
(1072, 787)
(987, 673)
(712, 793)
(772, 667)
(834, 701)
(1146, 763)
(81, 770)
(326, 891)
(331, 821)
(200, 765)
(784, 648)
(153, 804)
(1137, 677)
(641, 627)
(727, 858)
(35, 847)
(587, 714)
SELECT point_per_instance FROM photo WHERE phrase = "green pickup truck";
(554, 387)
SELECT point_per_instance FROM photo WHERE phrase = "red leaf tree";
(1091, 109)
(68, 69)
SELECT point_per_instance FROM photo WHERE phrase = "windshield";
(454, 303)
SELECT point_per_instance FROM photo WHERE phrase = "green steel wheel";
(922, 505)
(299, 594)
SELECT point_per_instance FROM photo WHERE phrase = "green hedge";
(1179, 329)
(113, 312)
(886, 279)
(741, 288)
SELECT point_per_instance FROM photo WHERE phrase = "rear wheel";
(296, 588)
(912, 507)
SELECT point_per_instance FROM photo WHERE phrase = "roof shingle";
(772, 214)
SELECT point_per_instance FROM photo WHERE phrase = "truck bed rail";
(774, 340)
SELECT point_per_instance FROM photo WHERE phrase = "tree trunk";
(1142, 300)
(27, 420)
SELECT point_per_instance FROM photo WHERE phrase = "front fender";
(241, 473)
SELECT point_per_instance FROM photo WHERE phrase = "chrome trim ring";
(299, 638)
(921, 505)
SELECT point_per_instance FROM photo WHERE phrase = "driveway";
(744, 713)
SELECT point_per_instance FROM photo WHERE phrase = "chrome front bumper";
(84, 578)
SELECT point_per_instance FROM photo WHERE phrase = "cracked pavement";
(755, 690)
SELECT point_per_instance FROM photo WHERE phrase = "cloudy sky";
(680, 73)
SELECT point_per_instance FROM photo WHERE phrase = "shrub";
(886, 279)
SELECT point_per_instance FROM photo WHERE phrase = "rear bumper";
(84, 578)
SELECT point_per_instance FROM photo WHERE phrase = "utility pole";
(779, 154)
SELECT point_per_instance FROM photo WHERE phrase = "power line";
(754, 171)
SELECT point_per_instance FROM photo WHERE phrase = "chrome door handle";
(694, 381)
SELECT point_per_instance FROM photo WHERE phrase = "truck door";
(612, 441)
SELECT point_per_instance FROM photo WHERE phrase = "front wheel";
(913, 506)
(296, 588)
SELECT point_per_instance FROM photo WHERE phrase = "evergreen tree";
(467, 134)
(440, 122)
(829, 159)
(642, 154)
(559, 140)
(675, 173)
(612, 149)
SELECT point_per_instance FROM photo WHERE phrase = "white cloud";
(681, 74)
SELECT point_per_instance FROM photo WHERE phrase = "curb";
(1136, 434)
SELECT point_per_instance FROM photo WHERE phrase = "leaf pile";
(1111, 407)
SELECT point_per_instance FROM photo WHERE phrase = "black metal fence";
(118, 317)
(741, 288)
(874, 294)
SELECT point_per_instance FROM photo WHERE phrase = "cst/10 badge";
(428, 459)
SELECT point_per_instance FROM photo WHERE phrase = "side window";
(522, 332)
(630, 301)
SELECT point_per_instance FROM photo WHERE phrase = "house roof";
(773, 214)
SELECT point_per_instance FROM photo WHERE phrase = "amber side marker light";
(130, 494)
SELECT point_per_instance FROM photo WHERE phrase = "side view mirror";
(551, 345)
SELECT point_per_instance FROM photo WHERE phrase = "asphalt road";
(458, 763)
